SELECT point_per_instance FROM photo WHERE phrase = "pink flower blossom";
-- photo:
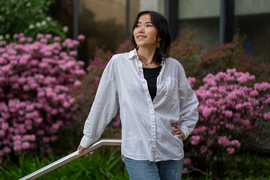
(25, 145)
(224, 141)
(66, 104)
(22, 39)
(54, 138)
(206, 112)
(202, 129)
(30, 107)
(230, 71)
(254, 93)
(15, 36)
(187, 160)
(191, 81)
(230, 126)
(236, 143)
(40, 132)
(266, 116)
(38, 120)
(203, 149)
(5, 115)
(70, 45)
(29, 39)
(2, 133)
(246, 122)
(55, 126)
(39, 36)
(2, 153)
(230, 150)
(26, 88)
(48, 36)
(238, 106)
(7, 150)
(81, 37)
(17, 148)
(267, 100)
(3, 43)
(5, 126)
(54, 111)
(43, 40)
(17, 143)
(57, 38)
(46, 139)
(184, 171)
(195, 140)
(48, 53)
(117, 122)
(28, 122)
(73, 53)
(77, 82)
(210, 143)
(228, 114)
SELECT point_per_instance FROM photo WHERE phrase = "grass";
(103, 164)
(106, 163)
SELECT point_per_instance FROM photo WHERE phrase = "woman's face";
(145, 34)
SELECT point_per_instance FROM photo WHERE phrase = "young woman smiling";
(158, 108)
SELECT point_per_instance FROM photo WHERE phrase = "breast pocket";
(172, 88)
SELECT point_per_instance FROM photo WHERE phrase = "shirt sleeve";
(188, 107)
(104, 108)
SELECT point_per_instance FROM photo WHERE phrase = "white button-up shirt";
(146, 124)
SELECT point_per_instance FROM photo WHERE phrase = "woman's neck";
(146, 55)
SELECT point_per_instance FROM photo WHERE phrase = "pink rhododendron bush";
(36, 79)
(233, 114)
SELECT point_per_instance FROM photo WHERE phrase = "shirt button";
(152, 110)
(154, 137)
(158, 86)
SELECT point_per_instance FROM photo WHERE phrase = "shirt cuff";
(85, 142)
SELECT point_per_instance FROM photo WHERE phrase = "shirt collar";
(132, 53)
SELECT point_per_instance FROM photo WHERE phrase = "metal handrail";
(71, 157)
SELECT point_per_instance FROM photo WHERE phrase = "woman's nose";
(141, 29)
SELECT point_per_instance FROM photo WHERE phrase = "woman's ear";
(159, 39)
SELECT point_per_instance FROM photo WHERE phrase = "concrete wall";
(251, 7)
(192, 9)
(152, 5)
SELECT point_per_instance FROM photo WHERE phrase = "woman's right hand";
(81, 149)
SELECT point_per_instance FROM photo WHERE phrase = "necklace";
(146, 65)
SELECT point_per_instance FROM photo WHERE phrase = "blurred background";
(104, 22)
(69, 42)
(107, 23)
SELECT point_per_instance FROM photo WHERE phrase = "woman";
(153, 95)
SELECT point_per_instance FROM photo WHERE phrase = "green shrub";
(245, 166)
(231, 55)
(28, 17)
(103, 164)
(187, 52)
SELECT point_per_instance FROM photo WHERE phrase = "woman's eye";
(149, 25)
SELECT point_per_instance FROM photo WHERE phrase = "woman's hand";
(177, 131)
(81, 149)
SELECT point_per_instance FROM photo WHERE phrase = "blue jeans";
(148, 170)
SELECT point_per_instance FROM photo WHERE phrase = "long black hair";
(162, 25)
